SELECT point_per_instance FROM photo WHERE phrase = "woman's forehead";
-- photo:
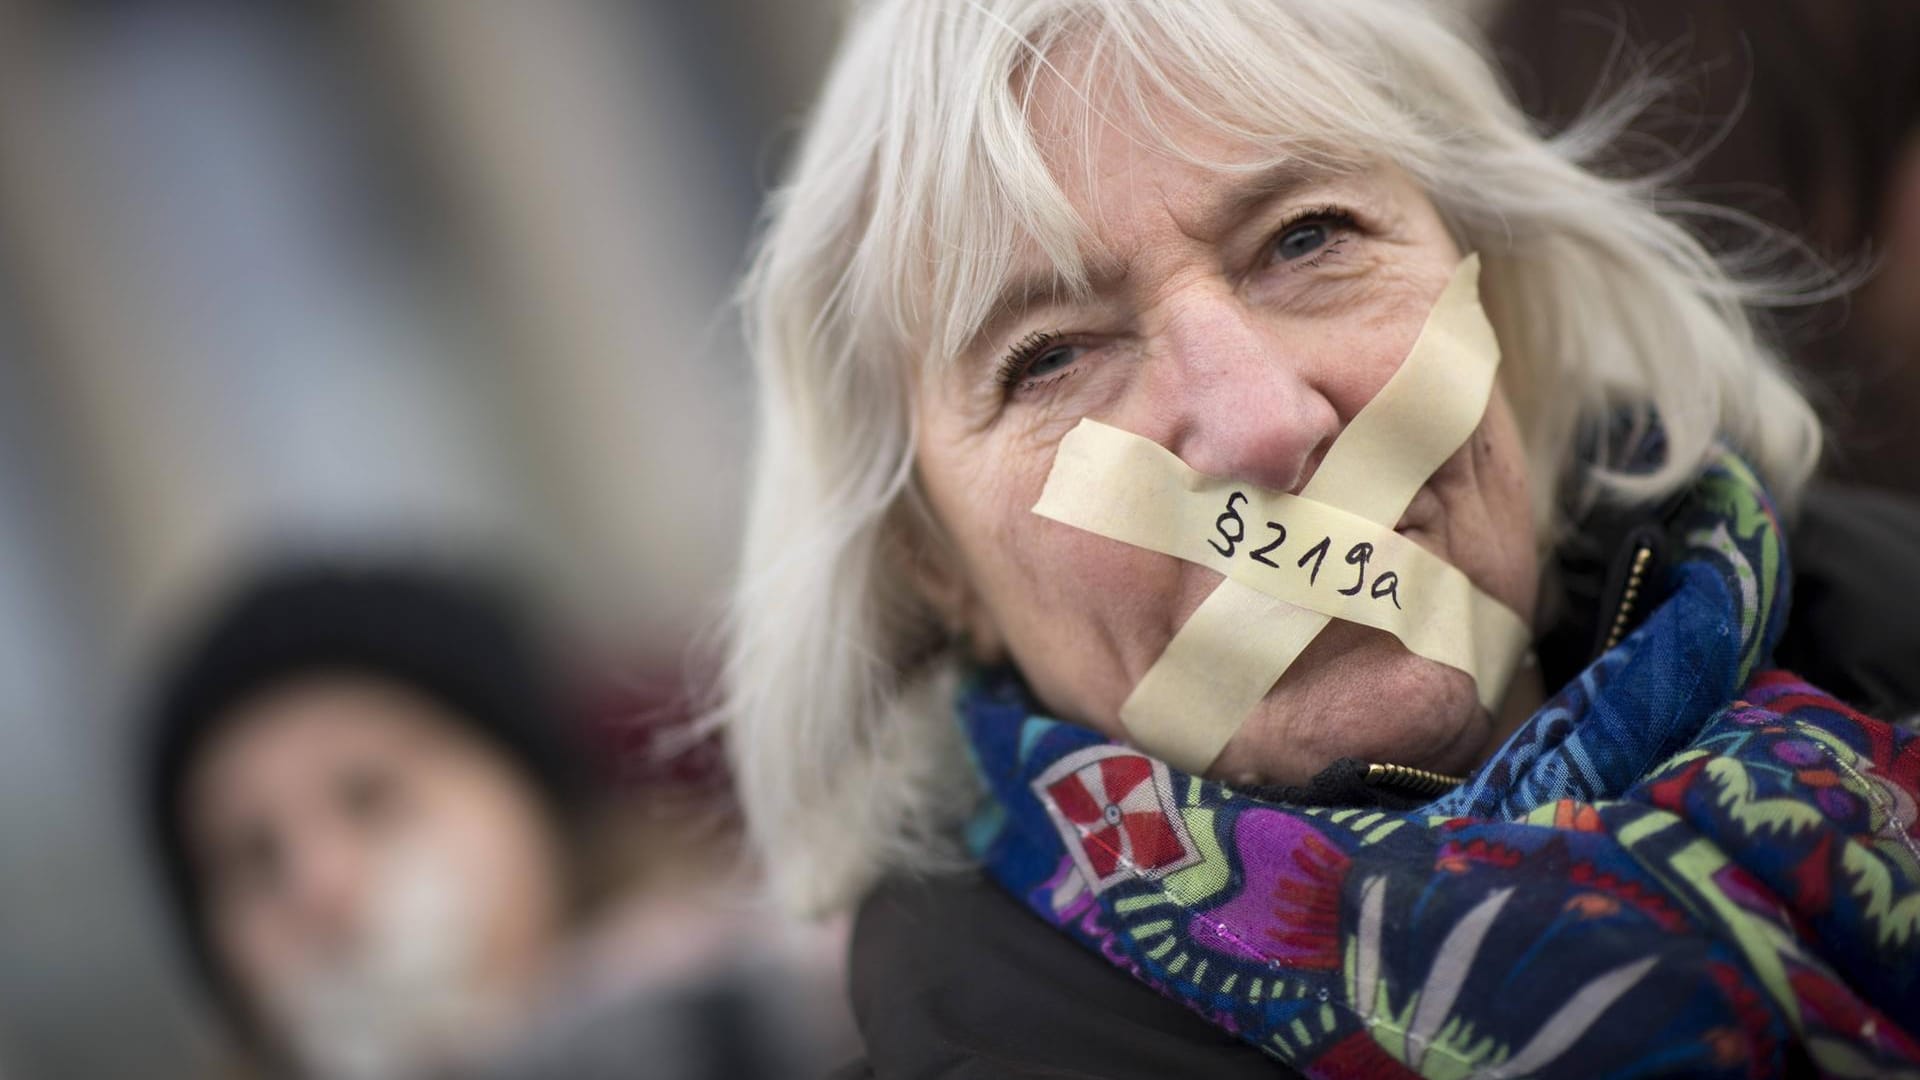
(310, 723)
(1088, 119)
(1202, 204)
(979, 181)
(1094, 142)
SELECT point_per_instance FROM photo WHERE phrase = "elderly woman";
(1139, 518)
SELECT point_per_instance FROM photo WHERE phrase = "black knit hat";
(458, 639)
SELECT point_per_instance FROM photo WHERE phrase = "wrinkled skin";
(1240, 321)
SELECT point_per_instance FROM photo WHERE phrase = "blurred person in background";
(368, 816)
(389, 859)
(354, 273)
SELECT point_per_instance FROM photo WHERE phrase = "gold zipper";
(1418, 781)
(1422, 782)
(1641, 556)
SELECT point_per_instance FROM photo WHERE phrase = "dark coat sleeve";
(952, 978)
(1854, 627)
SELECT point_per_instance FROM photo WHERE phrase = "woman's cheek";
(1085, 615)
(256, 945)
(1074, 570)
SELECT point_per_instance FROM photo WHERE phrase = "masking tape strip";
(1194, 698)
(1242, 639)
(1225, 658)
(1425, 413)
(1296, 549)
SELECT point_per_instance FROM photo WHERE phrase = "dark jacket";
(953, 978)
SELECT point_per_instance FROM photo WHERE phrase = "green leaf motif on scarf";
(1731, 490)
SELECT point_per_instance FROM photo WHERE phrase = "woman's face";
(365, 857)
(1241, 320)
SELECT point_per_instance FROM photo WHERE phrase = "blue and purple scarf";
(1683, 863)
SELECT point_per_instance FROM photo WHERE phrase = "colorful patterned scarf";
(1683, 863)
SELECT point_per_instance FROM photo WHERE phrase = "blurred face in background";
(383, 886)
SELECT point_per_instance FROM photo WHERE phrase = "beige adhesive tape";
(1193, 699)
(1422, 416)
(1225, 658)
(1296, 549)
(1246, 634)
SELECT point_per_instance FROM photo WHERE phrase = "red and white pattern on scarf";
(1116, 812)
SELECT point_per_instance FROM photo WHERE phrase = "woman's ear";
(932, 567)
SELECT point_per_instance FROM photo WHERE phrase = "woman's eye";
(1036, 358)
(1302, 240)
(1051, 361)
(370, 797)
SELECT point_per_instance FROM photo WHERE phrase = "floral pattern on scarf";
(1682, 863)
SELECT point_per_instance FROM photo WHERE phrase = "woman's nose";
(331, 889)
(1234, 400)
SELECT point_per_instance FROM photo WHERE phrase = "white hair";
(918, 180)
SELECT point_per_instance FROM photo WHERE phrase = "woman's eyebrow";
(1274, 183)
(1042, 287)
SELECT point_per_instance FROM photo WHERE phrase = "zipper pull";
(1630, 584)
(1407, 778)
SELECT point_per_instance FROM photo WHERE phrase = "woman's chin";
(1358, 693)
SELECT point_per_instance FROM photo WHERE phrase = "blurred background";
(448, 278)
(442, 276)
